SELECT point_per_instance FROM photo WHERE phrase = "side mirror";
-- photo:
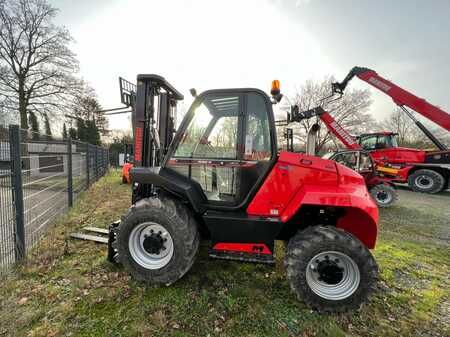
(293, 114)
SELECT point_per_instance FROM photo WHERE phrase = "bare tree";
(3, 112)
(37, 67)
(400, 123)
(409, 135)
(351, 112)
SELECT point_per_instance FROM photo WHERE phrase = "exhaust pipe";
(311, 139)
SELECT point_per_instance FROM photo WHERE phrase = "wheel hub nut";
(154, 243)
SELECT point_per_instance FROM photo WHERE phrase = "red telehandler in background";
(424, 171)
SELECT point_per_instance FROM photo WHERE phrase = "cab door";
(226, 145)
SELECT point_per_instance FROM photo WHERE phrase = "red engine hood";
(301, 179)
(297, 179)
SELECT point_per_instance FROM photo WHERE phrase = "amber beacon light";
(275, 91)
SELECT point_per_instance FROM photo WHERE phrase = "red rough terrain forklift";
(220, 178)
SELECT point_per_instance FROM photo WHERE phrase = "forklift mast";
(153, 103)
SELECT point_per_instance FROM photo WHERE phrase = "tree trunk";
(22, 105)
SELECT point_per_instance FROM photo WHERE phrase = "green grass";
(67, 288)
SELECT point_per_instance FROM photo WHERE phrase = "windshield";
(196, 128)
(212, 130)
(328, 155)
(378, 141)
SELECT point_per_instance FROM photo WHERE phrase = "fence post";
(104, 161)
(69, 173)
(16, 170)
(95, 163)
(101, 161)
(87, 165)
(107, 159)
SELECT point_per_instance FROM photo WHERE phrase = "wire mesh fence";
(7, 214)
(40, 177)
(80, 178)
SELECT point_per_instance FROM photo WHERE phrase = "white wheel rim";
(325, 282)
(423, 181)
(140, 252)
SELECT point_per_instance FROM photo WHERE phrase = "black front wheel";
(384, 195)
(157, 240)
(330, 269)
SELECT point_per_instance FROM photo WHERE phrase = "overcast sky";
(218, 44)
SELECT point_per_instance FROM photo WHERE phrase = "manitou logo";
(379, 84)
(341, 132)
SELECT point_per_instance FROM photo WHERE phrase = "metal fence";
(40, 177)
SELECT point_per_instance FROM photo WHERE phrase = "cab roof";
(380, 133)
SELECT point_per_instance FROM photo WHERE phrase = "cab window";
(365, 163)
(349, 159)
(209, 136)
(369, 142)
(378, 142)
(257, 135)
(225, 145)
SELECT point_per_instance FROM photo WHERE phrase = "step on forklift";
(221, 178)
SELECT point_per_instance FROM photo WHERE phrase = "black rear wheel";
(330, 269)
(426, 181)
(157, 240)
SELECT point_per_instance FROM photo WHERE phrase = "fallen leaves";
(22, 301)
(159, 319)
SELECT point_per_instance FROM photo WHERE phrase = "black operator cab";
(225, 144)
(221, 153)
